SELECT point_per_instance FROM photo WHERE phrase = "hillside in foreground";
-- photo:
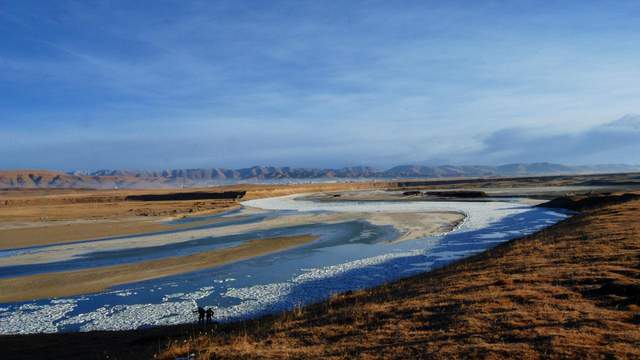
(570, 291)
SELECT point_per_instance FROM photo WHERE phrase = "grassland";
(570, 291)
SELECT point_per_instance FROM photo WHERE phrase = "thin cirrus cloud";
(232, 83)
(617, 141)
(613, 142)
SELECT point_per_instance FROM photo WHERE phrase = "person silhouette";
(209, 314)
(200, 311)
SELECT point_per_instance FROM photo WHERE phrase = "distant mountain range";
(213, 176)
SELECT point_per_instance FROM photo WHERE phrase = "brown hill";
(32, 179)
(188, 178)
(570, 291)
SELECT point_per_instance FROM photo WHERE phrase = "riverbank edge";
(146, 343)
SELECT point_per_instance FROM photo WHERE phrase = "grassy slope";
(572, 290)
(568, 291)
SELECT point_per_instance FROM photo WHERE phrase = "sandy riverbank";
(32, 217)
(569, 291)
(409, 225)
(39, 234)
(94, 280)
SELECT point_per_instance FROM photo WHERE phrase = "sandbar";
(71, 283)
(409, 225)
(30, 234)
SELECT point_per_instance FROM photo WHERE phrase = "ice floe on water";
(478, 214)
(281, 281)
(178, 307)
(32, 318)
(261, 299)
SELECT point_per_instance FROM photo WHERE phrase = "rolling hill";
(102, 179)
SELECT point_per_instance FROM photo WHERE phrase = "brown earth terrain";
(31, 217)
(48, 205)
(626, 179)
(409, 226)
(569, 291)
(12, 236)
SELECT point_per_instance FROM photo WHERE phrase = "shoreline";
(435, 223)
(14, 237)
(574, 284)
(411, 224)
(328, 272)
(387, 300)
(164, 333)
(532, 242)
(79, 282)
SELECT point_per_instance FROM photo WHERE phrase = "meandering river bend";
(347, 252)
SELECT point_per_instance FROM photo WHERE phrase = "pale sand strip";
(99, 279)
(410, 225)
(414, 226)
(74, 231)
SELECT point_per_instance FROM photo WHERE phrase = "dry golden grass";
(94, 205)
(570, 291)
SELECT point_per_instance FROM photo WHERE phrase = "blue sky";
(165, 84)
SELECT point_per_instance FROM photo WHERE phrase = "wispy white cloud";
(307, 83)
(617, 141)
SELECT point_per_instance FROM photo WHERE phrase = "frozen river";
(347, 255)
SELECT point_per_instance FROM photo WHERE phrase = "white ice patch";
(168, 297)
(261, 299)
(177, 307)
(33, 318)
(120, 317)
(49, 318)
(478, 214)
(202, 293)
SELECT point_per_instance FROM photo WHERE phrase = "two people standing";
(202, 313)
